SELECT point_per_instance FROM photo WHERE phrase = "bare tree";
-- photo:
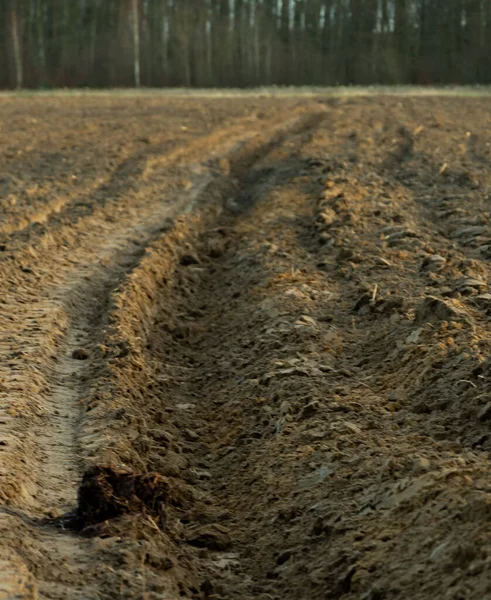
(19, 74)
(136, 42)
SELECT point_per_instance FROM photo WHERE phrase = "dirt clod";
(105, 494)
(213, 537)
(80, 354)
(188, 260)
(433, 309)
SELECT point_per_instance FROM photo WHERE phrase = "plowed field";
(245, 348)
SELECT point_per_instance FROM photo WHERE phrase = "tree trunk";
(40, 36)
(136, 43)
(17, 50)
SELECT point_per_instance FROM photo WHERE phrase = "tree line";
(242, 43)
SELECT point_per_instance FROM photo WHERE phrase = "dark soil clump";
(106, 494)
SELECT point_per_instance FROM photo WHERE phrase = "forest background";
(243, 43)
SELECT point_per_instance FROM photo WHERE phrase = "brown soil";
(245, 349)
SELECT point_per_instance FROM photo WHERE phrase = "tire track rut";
(54, 447)
(298, 406)
(282, 395)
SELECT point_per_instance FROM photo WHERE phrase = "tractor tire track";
(53, 442)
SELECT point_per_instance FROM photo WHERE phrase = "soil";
(245, 349)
